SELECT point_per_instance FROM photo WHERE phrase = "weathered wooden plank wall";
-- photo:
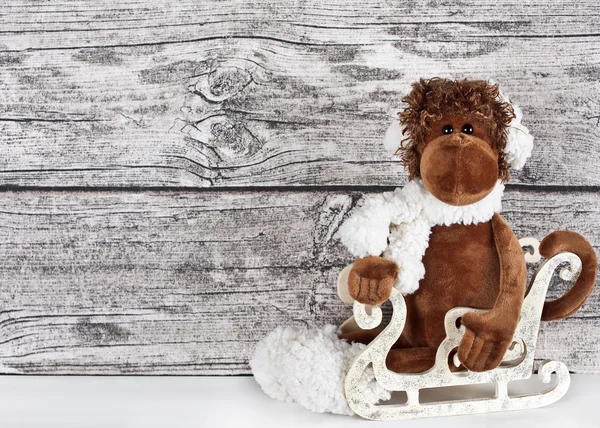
(173, 173)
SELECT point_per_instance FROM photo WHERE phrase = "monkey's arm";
(488, 336)
(366, 232)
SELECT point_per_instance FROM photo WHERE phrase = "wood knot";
(222, 83)
(234, 138)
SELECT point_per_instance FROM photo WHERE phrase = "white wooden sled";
(516, 365)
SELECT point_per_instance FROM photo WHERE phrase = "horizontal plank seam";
(283, 189)
(40, 119)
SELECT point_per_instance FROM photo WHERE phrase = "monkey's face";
(459, 164)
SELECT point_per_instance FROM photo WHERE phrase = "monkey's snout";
(459, 169)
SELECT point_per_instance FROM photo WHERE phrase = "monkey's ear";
(519, 142)
(393, 135)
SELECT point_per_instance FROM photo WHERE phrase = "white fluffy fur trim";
(411, 212)
(407, 245)
(519, 142)
(393, 135)
(366, 232)
(308, 366)
(441, 213)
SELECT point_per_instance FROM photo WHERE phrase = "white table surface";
(167, 402)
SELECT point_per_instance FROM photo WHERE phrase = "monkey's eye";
(447, 129)
(467, 128)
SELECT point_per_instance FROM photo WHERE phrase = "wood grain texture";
(183, 166)
(187, 282)
(233, 94)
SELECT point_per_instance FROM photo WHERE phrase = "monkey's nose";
(460, 140)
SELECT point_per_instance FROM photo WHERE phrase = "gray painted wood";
(199, 94)
(186, 283)
(261, 124)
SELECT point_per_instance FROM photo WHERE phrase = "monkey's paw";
(371, 280)
(484, 343)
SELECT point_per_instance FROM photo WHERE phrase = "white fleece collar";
(441, 213)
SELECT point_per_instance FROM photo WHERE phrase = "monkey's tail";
(571, 301)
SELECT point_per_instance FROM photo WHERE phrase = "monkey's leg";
(410, 360)
(415, 360)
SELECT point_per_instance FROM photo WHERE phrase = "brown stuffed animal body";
(441, 240)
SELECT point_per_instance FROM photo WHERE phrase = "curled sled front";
(517, 364)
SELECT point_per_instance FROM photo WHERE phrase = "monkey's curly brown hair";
(431, 98)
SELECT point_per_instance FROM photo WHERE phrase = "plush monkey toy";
(441, 240)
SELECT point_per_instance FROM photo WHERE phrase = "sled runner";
(517, 364)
